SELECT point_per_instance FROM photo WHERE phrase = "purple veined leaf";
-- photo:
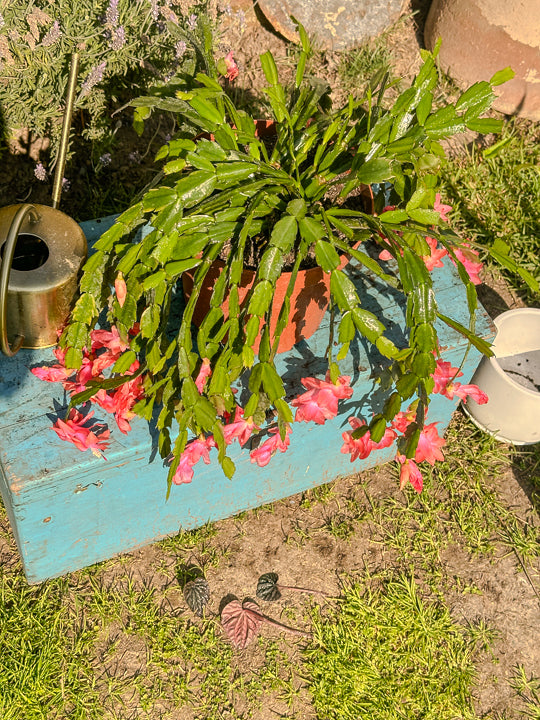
(269, 590)
(196, 594)
(242, 622)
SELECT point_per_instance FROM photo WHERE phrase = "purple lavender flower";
(95, 76)
(192, 22)
(241, 17)
(105, 159)
(118, 39)
(134, 157)
(111, 14)
(179, 49)
(66, 184)
(54, 33)
(154, 10)
(168, 14)
(2, 21)
(40, 172)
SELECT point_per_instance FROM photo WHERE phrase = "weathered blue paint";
(69, 509)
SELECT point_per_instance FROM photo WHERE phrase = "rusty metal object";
(480, 37)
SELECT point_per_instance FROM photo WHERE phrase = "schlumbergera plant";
(227, 195)
(122, 44)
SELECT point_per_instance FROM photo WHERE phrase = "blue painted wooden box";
(70, 509)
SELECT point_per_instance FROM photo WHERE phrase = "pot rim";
(499, 322)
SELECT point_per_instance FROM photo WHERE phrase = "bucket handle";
(5, 269)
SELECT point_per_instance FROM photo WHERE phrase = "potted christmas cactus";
(243, 213)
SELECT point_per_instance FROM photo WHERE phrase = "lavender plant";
(124, 45)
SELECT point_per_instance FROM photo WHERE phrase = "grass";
(495, 193)
(358, 65)
(528, 690)
(46, 655)
(116, 640)
(387, 654)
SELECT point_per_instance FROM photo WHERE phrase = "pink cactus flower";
(109, 339)
(443, 210)
(409, 473)
(429, 445)
(84, 438)
(465, 391)
(363, 446)
(124, 399)
(240, 428)
(264, 453)
(446, 385)
(204, 372)
(60, 355)
(232, 67)
(52, 373)
(433, 260)
(193, 452)
(81, 378)
(472, 266)
(102, 362)
(320, 402)
(104, 400)
(443, 376)
(403, 419)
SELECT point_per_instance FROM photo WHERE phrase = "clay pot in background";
(480, 37)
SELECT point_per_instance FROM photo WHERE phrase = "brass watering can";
(42, 251)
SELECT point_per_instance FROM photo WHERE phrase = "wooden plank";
(70, 509)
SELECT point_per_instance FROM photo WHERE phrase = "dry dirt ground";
(294, 537)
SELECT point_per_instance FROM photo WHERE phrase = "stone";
(333, 24)
(480, 37)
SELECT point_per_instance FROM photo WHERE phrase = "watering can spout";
(66, 125)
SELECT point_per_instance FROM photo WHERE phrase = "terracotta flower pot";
(310, 297)
(480, 37)
(309, 300)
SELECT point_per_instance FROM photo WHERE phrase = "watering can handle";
(5, 269)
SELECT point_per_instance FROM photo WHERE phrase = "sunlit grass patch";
(495, 193)
(385, 653)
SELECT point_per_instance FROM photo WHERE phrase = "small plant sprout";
(269, 590)
(242, 622)
(197, 594)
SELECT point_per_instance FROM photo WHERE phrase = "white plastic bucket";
(511, 380)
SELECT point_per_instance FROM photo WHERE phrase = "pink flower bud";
(121, 289)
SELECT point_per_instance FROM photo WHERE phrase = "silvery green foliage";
(196, 594)
(115, 38)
